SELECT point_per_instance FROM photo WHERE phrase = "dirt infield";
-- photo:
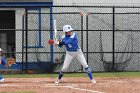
(71, 85)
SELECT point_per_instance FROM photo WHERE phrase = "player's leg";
(1, 79)
(82, 60)
(66, 64)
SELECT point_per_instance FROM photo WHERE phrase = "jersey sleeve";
(62, 42)
(71, 39)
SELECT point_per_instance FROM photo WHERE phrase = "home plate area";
(71, 85)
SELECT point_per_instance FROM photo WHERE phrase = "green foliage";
(118, 74)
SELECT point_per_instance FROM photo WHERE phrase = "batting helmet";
(67, 28)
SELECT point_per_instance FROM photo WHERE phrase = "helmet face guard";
(67, 28)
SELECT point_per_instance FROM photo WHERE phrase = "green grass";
(109, 74)
(118, 74)
(18, 92)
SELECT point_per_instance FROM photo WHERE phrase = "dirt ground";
(71, 85)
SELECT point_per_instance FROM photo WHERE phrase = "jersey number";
(69, 45)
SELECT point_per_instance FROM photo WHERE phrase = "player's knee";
(85, 66)
(64, 69)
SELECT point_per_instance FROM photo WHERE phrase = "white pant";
(69, 57)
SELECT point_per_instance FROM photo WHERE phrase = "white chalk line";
(73, 86)
(86, 90)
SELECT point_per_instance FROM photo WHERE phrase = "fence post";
(87, 33)
(81, 14)
(113, 46)
(23, 30)
(26, 35)
(51, 34)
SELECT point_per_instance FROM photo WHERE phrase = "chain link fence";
(108, 36)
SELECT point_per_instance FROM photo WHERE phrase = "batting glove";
(56, 43)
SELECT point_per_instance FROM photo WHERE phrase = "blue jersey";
(70, 42)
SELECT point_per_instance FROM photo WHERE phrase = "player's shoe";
(57, 81)
(2, 80)
(93, 81)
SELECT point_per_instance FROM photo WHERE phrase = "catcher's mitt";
(10, 62)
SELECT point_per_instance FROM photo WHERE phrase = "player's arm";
(56, 43)
(61, 44)
(71, 39)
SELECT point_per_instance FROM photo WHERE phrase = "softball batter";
(72, 51)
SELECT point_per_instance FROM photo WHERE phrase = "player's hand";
(56, 42)
(51, 41)
(10, 62)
